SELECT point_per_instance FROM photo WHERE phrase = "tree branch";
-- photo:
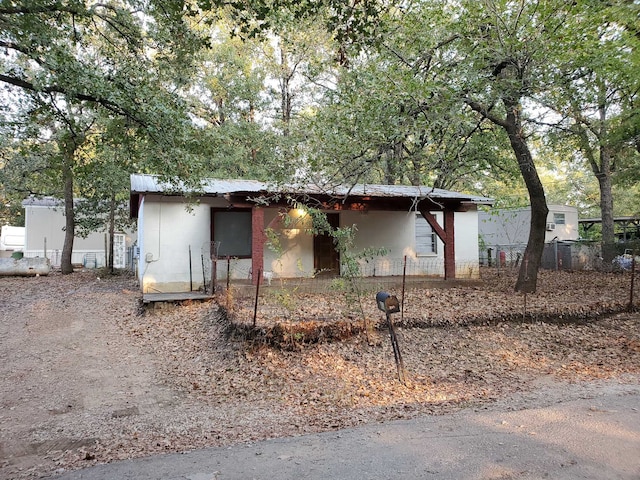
(103, 102)
(484, 111)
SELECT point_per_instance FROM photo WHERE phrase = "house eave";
(335, 198)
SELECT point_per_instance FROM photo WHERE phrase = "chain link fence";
(564, 255)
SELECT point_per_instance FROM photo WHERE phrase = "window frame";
(559, 215)
(433, 247)
(236, 211)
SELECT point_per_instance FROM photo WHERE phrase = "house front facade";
(256, 227)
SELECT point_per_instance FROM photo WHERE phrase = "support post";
(258, 239)
(447, 235)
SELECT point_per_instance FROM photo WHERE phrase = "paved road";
(582, 433)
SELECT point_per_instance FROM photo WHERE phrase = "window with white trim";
(426, 238)
(558, 218)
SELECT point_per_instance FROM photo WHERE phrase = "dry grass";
(90, 379)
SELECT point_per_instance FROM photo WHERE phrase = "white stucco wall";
(292, 253)
(467, 244)
(166, 230)
(395, 231)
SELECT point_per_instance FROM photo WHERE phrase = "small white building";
(44, 237)
(259, 228)
(507, 229)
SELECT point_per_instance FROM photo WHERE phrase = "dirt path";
(69, 370)
(86, 379)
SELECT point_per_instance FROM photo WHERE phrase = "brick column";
(449, 245)
(258, 239)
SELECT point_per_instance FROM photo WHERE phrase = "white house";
(507, 230)
(44, 237)
(510, 226)
(258, 226)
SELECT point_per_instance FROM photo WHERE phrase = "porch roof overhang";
(363, 197)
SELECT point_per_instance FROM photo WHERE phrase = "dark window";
(233, 232)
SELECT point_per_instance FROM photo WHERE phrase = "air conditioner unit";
(551, 227)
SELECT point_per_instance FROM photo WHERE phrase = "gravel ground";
(90, 377)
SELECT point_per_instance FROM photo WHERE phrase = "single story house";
(179, 232)
(44, 237)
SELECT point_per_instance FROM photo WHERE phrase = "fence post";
(190, 272)
(255, 306)
(404, 279)
(204, 275)
(228, 281)
(633, 275)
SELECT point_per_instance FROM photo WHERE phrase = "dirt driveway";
(86, 378)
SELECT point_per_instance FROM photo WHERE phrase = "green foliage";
(328, 91)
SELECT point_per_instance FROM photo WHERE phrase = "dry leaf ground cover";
(89, 376)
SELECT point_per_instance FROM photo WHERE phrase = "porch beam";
(447, 235)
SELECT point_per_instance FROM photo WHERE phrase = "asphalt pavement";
(578, 432)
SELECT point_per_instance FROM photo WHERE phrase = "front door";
(326, 259)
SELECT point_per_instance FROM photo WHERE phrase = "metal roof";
(152, 184)
(42, 202)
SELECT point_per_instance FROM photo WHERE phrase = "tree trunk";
(285, 92)
(528, 274)
(606, 206)
(66, 266)
(512, 124)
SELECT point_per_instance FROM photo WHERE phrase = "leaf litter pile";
(463, 345)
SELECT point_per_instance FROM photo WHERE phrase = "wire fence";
(564, 255)
(237, 272)
(321, 298)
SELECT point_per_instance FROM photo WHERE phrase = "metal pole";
(633, 275)
(396, 350)
(255, 307)
(228, 281)
(204, 277)
(190, 272)
(404, 277)
(214, 274)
